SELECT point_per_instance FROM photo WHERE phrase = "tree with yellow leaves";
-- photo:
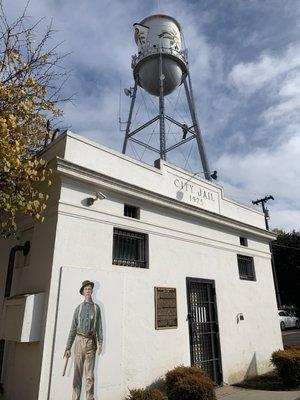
(31, 78)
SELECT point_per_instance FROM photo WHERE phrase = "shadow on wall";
(239, 375)
(35, 327)
(252, 369)
(96, 289)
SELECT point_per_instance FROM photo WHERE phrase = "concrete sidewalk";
(236, 393)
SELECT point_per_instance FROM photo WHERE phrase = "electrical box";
(22, 318)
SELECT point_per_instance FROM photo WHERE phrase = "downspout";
(11, 263)
(9, 276)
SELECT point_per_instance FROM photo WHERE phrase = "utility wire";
(147, 111)
(134, 151)
(149, 140)
(189, 154)
(186, 159)
(138, 109)
(177, 112)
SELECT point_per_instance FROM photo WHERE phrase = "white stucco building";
(182, 232)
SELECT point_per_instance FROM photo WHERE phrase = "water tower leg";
(133, 97)
(162, 133)
(191, 103)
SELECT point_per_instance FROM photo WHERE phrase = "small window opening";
(243, 241)
(246, 267)
(131, 211)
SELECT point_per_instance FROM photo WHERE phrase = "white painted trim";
(68, 134)
(209, 242)
(80, 173)
(163, 165)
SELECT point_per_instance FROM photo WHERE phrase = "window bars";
(243, 241)
(246, 268)
(130, 248)
(131, 211)
(203, 328)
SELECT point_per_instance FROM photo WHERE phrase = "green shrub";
(287, 365)
(146, 394)
(189, 383)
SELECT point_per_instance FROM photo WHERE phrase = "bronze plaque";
(165, 308)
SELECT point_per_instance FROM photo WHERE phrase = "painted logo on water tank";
(172, 36)
(140, 34)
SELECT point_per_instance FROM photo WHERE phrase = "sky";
(244, 58)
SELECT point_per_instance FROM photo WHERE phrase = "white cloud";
(265, 172)
(283, 112)
(284, 218)
(290, 85)
(236, 139)
(286, 109)
(99, 35)
(252, 76)
(272, 169)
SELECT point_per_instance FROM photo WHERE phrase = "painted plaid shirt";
(86, 319)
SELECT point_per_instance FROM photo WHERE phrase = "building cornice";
(77, 172)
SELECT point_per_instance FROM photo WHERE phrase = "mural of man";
(86, 330)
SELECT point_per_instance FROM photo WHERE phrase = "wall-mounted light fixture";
(91, 200)
(239, 317)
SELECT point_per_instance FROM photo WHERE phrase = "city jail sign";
(165, 308)
(195, 194)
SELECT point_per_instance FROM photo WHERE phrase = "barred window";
(246, 268)
(130, 248)
(131, 211)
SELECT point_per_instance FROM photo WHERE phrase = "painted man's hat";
(84, 284)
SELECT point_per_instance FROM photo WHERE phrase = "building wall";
(179, 247)
(184, 241)
(22, 361)
(166, 180)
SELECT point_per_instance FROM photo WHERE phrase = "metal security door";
(203, 327)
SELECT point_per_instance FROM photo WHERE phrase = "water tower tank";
(155, 35)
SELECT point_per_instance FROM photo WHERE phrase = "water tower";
(159, 68)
